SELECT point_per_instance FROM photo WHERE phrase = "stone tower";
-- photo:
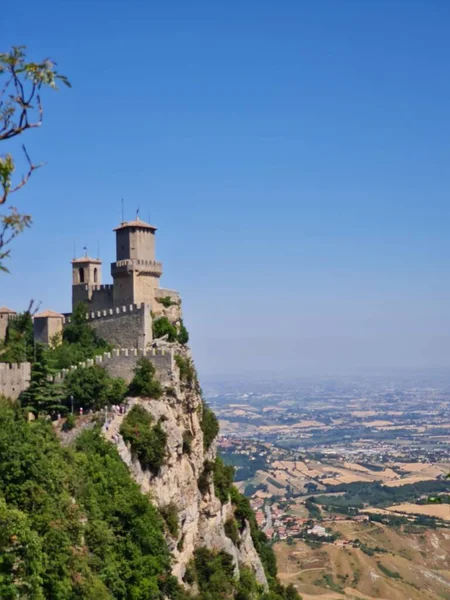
(86, 272)
(135, 273)
(46, 325)
(87, 284)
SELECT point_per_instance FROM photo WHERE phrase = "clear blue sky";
(295, 156)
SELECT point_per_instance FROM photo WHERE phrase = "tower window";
(95, 275)
(81, 274)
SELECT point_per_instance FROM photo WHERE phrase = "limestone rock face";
(201, 517)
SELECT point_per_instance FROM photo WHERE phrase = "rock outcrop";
(201, 517)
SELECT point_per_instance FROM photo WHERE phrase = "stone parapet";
(121, 362)
(152, 267)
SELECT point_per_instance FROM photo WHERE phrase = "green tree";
(19, 341)
(144, 383)
(209, 425)
(223, 480)
(183, 334)
(162, 327)
(147, 441)
(21, 556)
(43, 394)
(92, 387)
(21, 108)
(79, 341)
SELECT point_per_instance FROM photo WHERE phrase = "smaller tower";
(86, 272)
(46, 325)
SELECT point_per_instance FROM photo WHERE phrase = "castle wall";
(122, 362)
(124, 327)
(101, 297)
(14, 379)
(97, 297)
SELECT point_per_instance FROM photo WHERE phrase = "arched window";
(95, 275)
(81, 274)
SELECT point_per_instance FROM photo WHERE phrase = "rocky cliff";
(201, 515)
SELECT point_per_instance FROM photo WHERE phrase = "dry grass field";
(442, 511)
(414, 566)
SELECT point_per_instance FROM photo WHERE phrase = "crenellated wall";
(14, 379)
(97, 297)
(121, 363)
(125, 326)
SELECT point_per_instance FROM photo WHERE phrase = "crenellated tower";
(135, 273)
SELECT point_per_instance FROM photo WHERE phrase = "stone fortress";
(122, 313)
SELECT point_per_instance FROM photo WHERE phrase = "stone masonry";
(14, 379)
(121, 362)
(122, 313)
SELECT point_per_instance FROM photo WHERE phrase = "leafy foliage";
(20, 109)
(187, 370)
(214, 574)
(92, 388)
(243, 512)
(205, 477)
(183, 334)
(170, 515)
(143, 383)
(147, 441)
(162, 326)
(231, 530)
(166, 301)
(19, 341)
(43, 396)
(79, 341)
(209, 425)
(72, 522)
(223, 480)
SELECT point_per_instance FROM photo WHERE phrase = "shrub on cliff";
(183, 334)
(144, 383)
(186, 367)
(223, 480)
(147, 441)
(162, 327)
(170, 515)
(209, 425)
(232, 531)
(205, 477)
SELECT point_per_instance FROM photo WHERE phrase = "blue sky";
(294, 155)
